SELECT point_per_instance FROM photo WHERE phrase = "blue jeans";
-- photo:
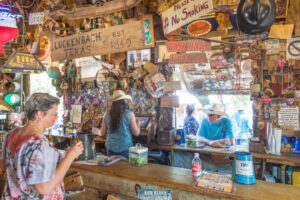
(124, 154)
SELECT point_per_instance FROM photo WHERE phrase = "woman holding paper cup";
(119, 124)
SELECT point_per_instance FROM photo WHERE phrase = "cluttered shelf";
(291, 159)
(182, 179)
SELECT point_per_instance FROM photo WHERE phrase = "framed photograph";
(281, 8)
(137, 58)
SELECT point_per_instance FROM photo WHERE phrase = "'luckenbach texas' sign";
(115, 39)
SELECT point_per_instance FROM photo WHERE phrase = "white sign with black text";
(184, 12)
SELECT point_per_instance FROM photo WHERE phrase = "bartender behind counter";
(216, 128)
(119, 124)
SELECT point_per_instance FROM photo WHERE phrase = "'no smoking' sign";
(293, 48)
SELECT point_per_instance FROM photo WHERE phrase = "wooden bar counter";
(121, 178)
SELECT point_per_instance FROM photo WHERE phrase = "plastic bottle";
(74, 139)
(282, 173)
(196, 165)
(227, 144)
(288, 175)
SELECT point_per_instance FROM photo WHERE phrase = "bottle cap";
(197, 154)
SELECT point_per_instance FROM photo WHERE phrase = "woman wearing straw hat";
(216, 128)
(119, 124)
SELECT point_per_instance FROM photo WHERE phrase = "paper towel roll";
(277, 134)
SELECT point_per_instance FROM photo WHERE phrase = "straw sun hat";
(216, 109)
(119, 94)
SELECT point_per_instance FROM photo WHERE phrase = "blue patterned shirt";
(190, 125)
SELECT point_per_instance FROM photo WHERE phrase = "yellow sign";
(23, 62)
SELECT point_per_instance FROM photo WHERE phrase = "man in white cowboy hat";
(119, 124)
(216, 128)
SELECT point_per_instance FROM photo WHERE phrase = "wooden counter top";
(182, 179)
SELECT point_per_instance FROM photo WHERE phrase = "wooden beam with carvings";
(94, 10)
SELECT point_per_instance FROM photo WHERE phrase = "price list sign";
(115, 39)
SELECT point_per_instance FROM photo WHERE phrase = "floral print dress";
(28, 162)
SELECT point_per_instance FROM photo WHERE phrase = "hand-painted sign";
(184, 12)
(187, 58)
(293, 49)
(119, 38)
(188, 45)
(23, 62)
(198, 28)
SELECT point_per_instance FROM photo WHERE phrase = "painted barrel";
(243, 169)
(180, 138)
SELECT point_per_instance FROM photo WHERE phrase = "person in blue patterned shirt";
(190, 125)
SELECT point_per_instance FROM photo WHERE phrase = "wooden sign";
(169, 102)
(23, 62)
(115, 39)
(112, 6)
(171, 86)
(188, 45)
(281, 31)
(184, 12)
(187, 58)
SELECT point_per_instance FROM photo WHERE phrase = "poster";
(138, 58)
(76, 112)
(272, 46)
(289, 116)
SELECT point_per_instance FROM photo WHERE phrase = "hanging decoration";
(23, 62)
(8, 26)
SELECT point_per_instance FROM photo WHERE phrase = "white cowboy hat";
(241, 107)
(119, 94)
(216, 109)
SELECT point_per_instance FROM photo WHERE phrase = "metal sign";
(184, 12)
(293, 49)
(23, 62)
(36, 18)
